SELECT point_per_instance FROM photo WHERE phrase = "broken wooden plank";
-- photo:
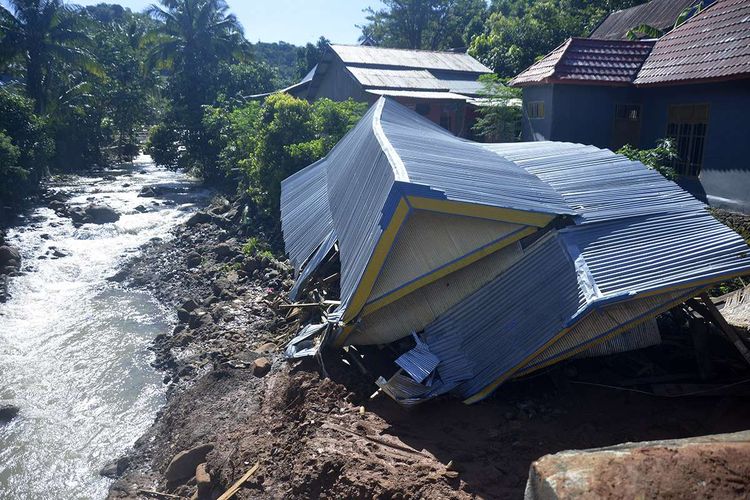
(725, 327)
(236, 486)
(158, 494)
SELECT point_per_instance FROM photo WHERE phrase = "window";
(535, 109)
(629, 112)
(627, 127)
(686, 125)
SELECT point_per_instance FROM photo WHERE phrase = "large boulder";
(94, 214)
(183, 464)
(101, 214)
(702, 467)
(8, 412)
(10, 259)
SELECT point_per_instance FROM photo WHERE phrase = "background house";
(442, 86)
(692, 85)
(659, 14)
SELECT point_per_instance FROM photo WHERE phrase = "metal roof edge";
(397, 164)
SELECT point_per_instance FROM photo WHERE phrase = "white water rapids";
(74, 346)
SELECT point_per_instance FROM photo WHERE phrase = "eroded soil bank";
(316, 437)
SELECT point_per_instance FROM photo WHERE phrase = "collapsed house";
(496, 259)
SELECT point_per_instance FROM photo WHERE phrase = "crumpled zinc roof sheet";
(660, 14)
(305, 216)
(714, 44)
(406, 58)
(589, 61)
(636, 239)
(597, 183)
(391, 153)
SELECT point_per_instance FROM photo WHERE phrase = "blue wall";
(724, 180)
(585, 114)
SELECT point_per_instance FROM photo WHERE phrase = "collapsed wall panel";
(416, 310)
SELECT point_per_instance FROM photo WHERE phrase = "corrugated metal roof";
(637, 243)
(597, 183)
(385, 78)
(393, 153)
(660, 14)
(714, 44)
(420, 94)
(406, 58)
(305, 216)
(585, 60)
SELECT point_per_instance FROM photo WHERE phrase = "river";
(74, 346)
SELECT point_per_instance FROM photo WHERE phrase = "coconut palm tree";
(40, 34)
(194, 36)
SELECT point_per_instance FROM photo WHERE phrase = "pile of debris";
(468, 264)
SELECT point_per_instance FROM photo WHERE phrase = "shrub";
(659, 158)
(163, 146)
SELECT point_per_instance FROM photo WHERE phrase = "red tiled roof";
(660, 14)
(715, 44)
(587, 60)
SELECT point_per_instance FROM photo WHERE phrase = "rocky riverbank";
(234, 402)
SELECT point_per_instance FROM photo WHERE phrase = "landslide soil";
(317, 437)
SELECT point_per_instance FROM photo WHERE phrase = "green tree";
(518, 32)
(500, 116)
(25, 147)
(194, 38)
(424, 24)
(262, 144)
(42, 34)
(310, 55)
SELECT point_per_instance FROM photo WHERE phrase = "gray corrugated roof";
(660, 14)
(404, 58)
(637, 243)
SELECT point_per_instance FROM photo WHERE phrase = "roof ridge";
(368, 47)
(397, 164)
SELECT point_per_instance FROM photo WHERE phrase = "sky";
(293, 21)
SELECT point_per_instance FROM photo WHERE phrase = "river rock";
(190, 305)
(94, 214)
(184, 464)
(10, 257)
(183, 315)
(101, 214)
(149, 192)
(8, 412)
(199, 218)
(202, 477)
(194, 259)
(224, 251)
(261, 366)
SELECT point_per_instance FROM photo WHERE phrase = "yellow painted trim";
(346, 330)
(613, 333)
(492, 386)
(376, 261)
(481, 211)
(454, 266)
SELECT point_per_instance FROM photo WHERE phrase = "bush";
(660, 158)
(261, 144)
(163, 146)
(500, 119)
(25, 148)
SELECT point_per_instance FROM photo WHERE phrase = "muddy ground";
(317, 437)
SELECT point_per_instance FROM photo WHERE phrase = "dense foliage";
(500, 118)
(659, 158)
(425, 24)
(260, 144)
(518, 32)
(80, 85)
